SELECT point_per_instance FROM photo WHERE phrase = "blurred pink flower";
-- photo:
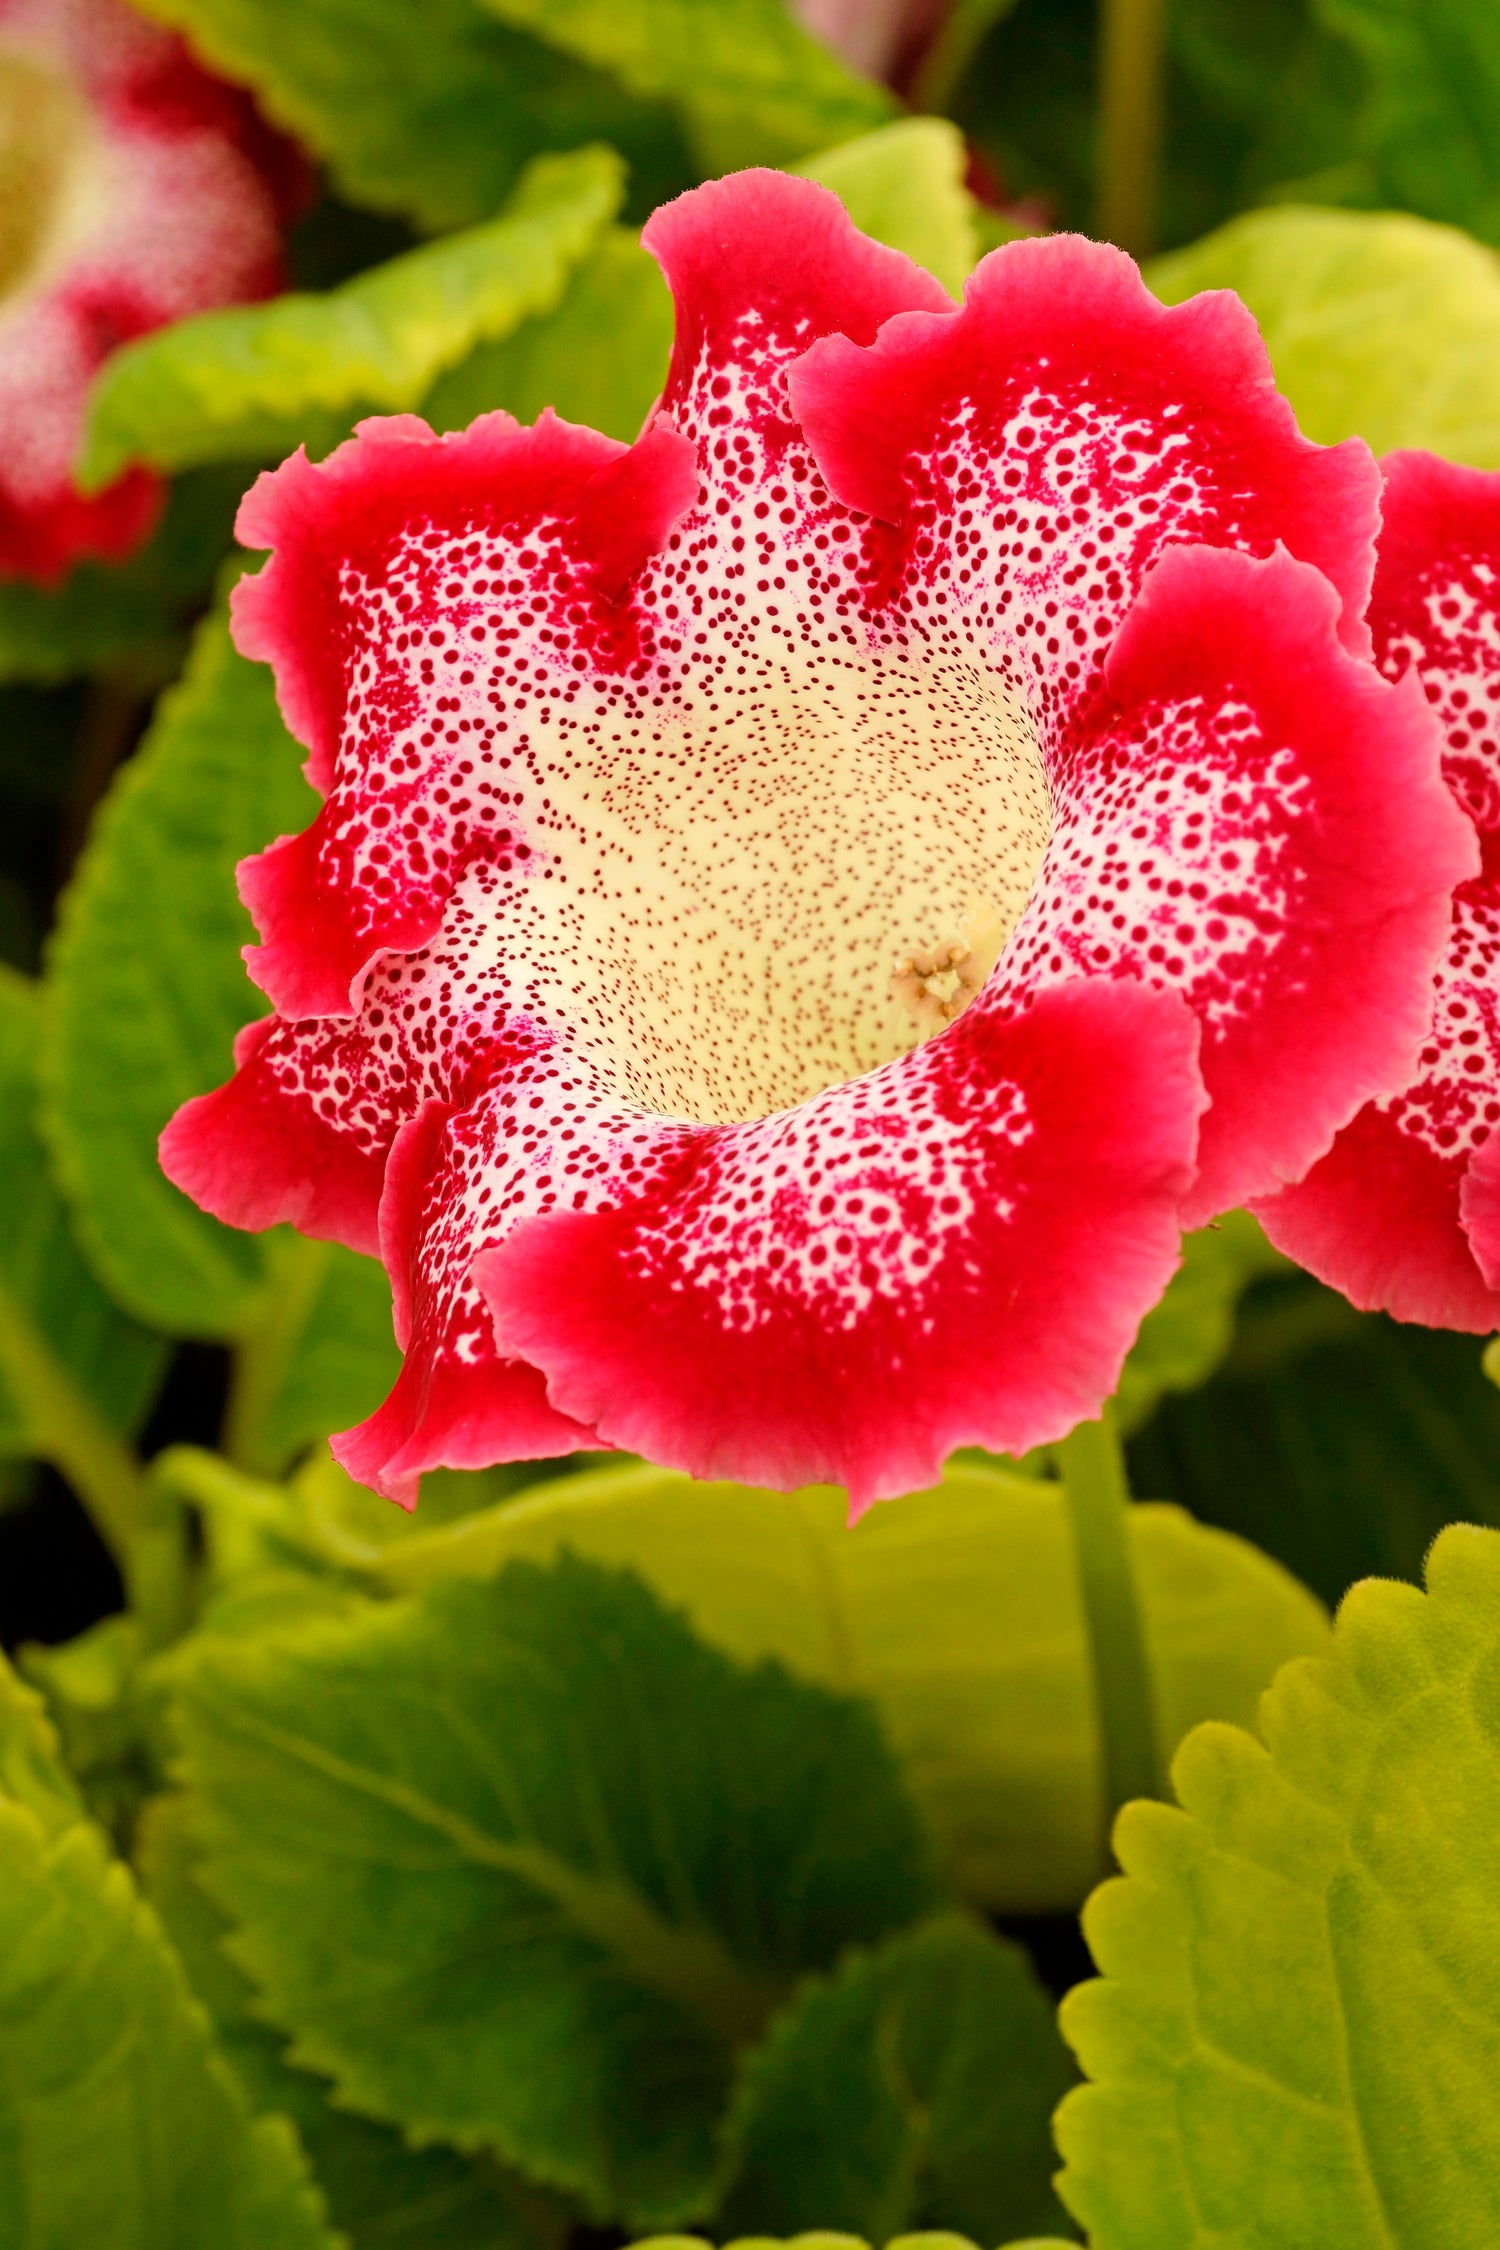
(133, 189)
(806, 906)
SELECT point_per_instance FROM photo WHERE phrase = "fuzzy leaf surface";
(382, 2194)
(1296, 2037)
(1379, 325)
(750, 85)
(120, 2124)
(255, 381)
(429, 111)
(522, 1863)
(956, 1610)
(65, 1349)
(912, 2089)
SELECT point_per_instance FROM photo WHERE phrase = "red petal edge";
(1401, 1215)
(613, 506)
(1061, 339)
(1019, 1333)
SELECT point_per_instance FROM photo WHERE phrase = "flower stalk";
(1093, 1471)
(1130, 121)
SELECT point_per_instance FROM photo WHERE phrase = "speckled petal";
(1240, 812)
(953, 1250)
(157, 193)
(737, 924)
(1401, 1214)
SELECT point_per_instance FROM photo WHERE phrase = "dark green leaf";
(383, 2194)
(429, 110)
(149, 990)
(523, 1862)
(120, 2124)
(957, 1611)
(913, 2089)
(133, 611)
(1434, 122)
(68, 1357)
(1183, 1339)
(93, 1689)
(1339, 1440)
(751, 86)
(1297, 2036)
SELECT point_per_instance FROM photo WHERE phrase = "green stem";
(265, 1352)
(1130, 110)
(68, 1430)
(1093, 1473)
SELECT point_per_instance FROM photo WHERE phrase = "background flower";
(134, 189)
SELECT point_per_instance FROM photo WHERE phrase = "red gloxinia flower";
(995, 675)
(134, 189)
(1403, 1214)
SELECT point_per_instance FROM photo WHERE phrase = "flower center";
(797, 876)
(43, 131)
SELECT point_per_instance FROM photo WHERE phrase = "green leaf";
(522, 1863)
(1379, 326)
(1183, 1339)
(93, 1690)
(1340, 1441)
(32, 1773)
(147, 993)
(957, 1611)
(148, 989)
(751, 86)
(133, 611)
(617, 292)
(1297, 2035)
(381, 2193)
(120, 2125)
(1434, 121)
(905, 186)
(75, 1375)
(914, 2088)
(257, 380)
(429, 110)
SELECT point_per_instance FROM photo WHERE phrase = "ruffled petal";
(158, 194)
(1047, 442)
(954, 1250)
(379, 660)
(456, 1403)
(1398, 1215)
(1242, 812)
(299, 1135)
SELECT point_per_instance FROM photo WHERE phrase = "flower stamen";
(936, 985)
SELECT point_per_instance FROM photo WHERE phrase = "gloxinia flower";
(1403, 1214)
(133, 189)
(789, 889)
